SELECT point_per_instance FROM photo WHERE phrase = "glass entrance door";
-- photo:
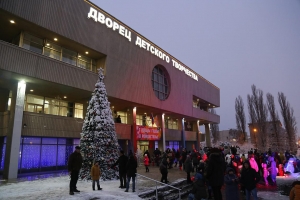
(144, 148)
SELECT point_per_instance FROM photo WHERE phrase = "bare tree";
(252, 117)
(236, 136)
(289, 120)
(214, 128)
(240, 116)
(258, 114)
(276, 144)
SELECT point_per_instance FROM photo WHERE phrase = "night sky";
(232, 43)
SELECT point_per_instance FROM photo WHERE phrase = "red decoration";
(193, 178)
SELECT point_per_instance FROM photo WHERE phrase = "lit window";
(52, 50)
(78, 110)
(123, 116)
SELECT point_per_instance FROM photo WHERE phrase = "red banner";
(147, 133)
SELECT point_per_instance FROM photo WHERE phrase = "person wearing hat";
(199, 189)
(74, 166)
(231, 181)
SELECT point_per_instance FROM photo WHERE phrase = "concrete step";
(165, 192)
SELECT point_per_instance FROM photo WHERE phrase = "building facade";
(49, 55)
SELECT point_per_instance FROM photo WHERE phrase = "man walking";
(74, 165)
(122, 161)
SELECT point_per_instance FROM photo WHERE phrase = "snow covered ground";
(58, 188)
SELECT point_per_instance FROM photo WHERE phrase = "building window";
(52, 50)
(160, 82)
(172, 145)
(69, 56)
(139, 120)
(172, 124)
(78, 110)
(44, 154)
(57, 52)
(86, 63)
(9, 100)
(34, 103)
(58, 107)
(2, 152)
(32, 43)
(196, 104)
(123, 116)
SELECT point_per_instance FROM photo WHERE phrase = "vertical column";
(163, 131)
(133, 139)
(198, 136)
(207, 135)
(183, 133)
(14, 133)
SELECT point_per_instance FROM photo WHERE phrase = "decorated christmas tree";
(98, 140)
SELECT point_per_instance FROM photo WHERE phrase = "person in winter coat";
(199, 189)
(163, 168)
(183, 156)
(253, 163)
(131, 172)
(265, 173)
(148, 154)
(231, 181)
(295, 191)
(95, 174)
(122, 161)
(272, 169)
(249, 179)
(188, 169)
(195, 158)
(146, 162)
(74, 165)
(177, 156)
(214, 172)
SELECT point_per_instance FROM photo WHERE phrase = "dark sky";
(232, 43)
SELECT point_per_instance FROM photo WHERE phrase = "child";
(146, 162)
(199, 190)
(273, 170)
(265, 173)
(95, 174)
(280, 170)
(231, 181)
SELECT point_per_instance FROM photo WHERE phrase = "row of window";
(41, 154)
(40, 104)
(144, 120)
(52, 50)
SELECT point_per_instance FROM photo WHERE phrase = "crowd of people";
(240, 173)
(213, 169)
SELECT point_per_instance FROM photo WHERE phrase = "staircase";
(168, 193)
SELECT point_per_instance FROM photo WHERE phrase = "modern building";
(49, 55)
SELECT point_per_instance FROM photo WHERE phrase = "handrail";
(179, 196)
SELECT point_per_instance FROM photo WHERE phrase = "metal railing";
(156, 193)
